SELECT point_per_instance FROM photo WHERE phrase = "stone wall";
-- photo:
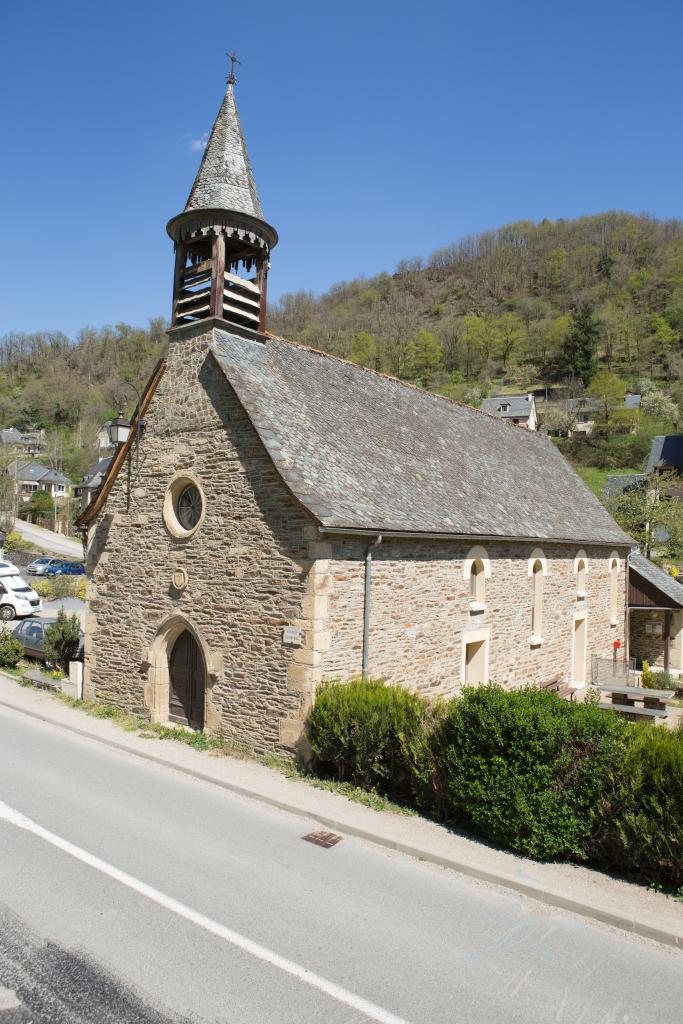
(647, 645)
(250, 566)
(421, 609)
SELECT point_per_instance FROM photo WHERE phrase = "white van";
(17, 598)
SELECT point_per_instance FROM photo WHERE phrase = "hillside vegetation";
(525, 305)
(497, 307)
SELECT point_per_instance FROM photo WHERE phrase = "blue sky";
(377, 131)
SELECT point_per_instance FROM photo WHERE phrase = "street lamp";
(119, 430)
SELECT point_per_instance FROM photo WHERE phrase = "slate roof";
(631, 401)
(667, 451)
(364, 451)
(519, 406)
(618, 483)
(94, 476)
(34, 472)
(225, 179)
(660, 579)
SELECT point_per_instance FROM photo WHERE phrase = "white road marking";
(342, 995)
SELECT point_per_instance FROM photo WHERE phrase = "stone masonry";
(421, 609)
(250, 567)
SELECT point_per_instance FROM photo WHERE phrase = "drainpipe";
(367, 602)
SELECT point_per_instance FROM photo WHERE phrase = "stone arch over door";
(158, 658)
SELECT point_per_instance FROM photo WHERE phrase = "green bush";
(373, 735)
(664, 681)
(11, 650)
(43, 588)
(641, 830)
(527, 769)
(62, 639)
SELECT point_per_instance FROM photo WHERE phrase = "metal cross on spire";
(233, 58)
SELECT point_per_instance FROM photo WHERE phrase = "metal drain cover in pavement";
(322, 838)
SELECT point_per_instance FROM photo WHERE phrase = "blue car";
(62, 568)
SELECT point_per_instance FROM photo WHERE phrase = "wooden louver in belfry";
(238, 300)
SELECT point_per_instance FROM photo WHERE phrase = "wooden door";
(187, 680)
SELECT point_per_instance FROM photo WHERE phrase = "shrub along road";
(193, 903)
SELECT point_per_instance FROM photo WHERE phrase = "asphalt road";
(130, 893)
(55, 543)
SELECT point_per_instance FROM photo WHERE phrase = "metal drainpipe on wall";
(367, 602)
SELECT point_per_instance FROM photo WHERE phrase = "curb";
(549, 897)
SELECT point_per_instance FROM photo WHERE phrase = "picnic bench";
(636, 702)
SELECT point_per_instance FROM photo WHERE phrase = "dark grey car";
(31, 633)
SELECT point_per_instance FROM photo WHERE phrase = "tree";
(364, 349)
(651, 513)
(427, 357)
(62, 639)
(608, 390)
(511, 333)
(657, 405)
(40, 506)
(576, 358)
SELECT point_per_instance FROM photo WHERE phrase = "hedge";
(531, 772)
(374, 736)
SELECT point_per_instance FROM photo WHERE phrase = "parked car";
(62, 568)
(31, 633)
(39, 566)
(17, 598)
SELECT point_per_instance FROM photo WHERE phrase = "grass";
(595, 478)
(221, 745)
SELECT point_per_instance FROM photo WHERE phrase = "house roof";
(583, 405)
(657, 577)
(615, 485)
(666, 451)
(34, 472)
(225, 179)
(361, 450)
(94, 476)
(631, 401)
(13, 436)
(519, 406)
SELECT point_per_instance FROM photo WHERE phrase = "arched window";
(537, 600)
(614, 590)
(581, 578)
(478, 581)
(476, 568)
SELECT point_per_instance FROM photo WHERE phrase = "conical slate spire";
(225, 180)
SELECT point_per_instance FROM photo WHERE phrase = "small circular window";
(184, 506)
(189, 507)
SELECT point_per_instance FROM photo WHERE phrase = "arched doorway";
(187, 682)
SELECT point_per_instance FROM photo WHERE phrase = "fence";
(615, 671)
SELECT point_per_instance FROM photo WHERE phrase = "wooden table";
(638, 702)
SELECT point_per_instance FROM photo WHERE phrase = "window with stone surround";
(184, 506)
(477, 582)
(614, 590)
(476, 570)
(580, 570)
(537, 602)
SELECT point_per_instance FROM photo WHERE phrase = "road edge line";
(542, 894)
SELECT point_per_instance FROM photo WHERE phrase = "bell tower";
(222, 243)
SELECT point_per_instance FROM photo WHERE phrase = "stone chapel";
(278, 516)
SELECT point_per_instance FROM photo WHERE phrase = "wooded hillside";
(498, 306)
